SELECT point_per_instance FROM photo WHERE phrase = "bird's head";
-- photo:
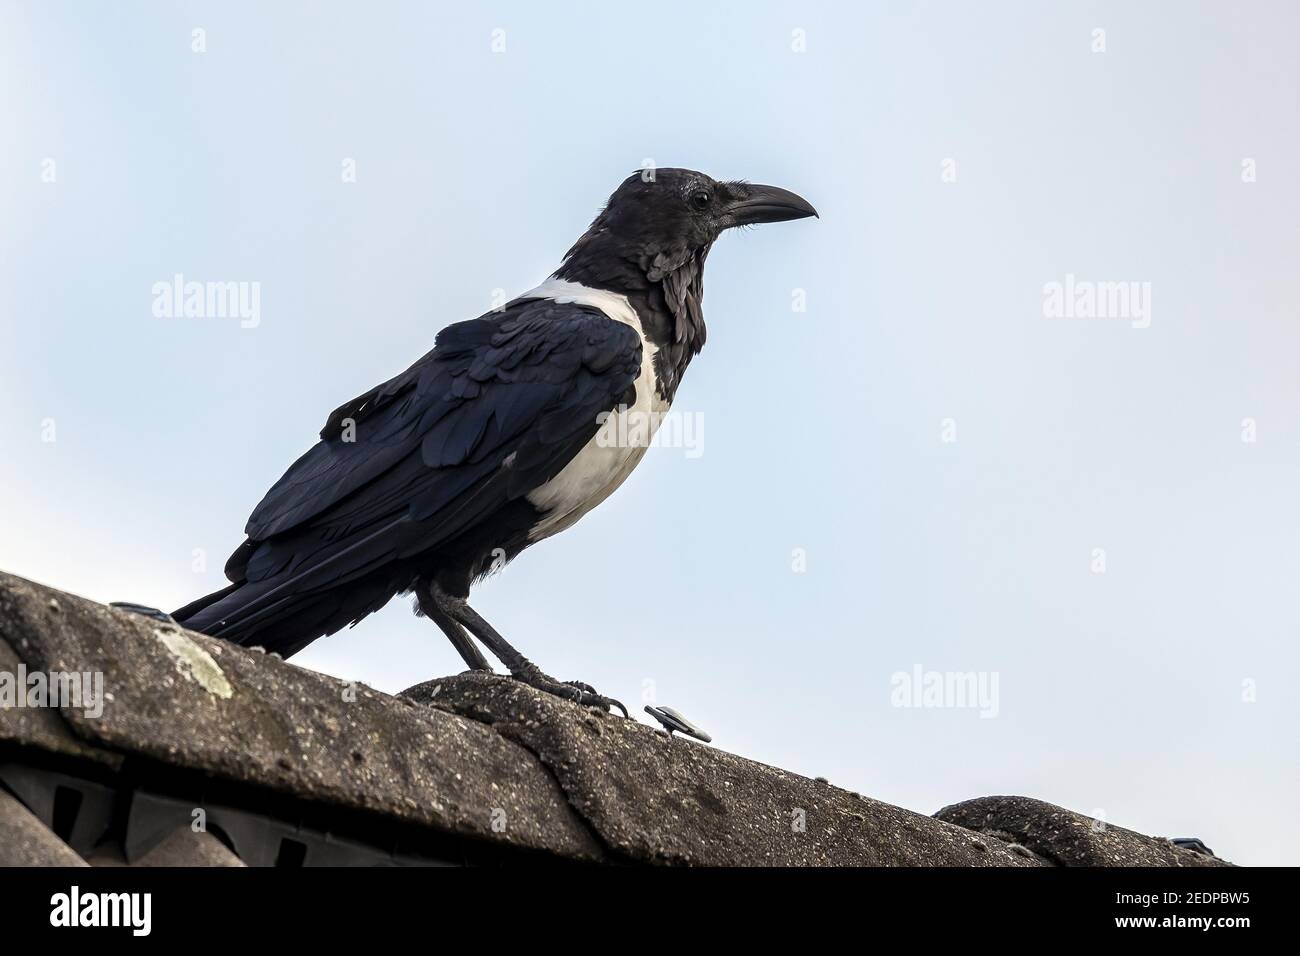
(671, 215)
(671, 206)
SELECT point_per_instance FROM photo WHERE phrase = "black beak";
(755, 204)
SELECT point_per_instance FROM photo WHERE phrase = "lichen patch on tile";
(195, 663)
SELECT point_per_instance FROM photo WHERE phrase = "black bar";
(317, 903)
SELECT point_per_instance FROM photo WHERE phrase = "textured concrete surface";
(1065, 838)
(202, 704)
(184, 847)
(477, 757)
(655, 799)
(26, 841)
(41, 727)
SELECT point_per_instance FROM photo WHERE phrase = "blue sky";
(921, 468)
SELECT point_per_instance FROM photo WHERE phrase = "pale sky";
(922, 467)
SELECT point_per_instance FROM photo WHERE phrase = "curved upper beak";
(757, 203)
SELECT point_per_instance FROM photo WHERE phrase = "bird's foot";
(573, 690)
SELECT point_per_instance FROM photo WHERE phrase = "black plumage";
(427, 460)
(422, 484)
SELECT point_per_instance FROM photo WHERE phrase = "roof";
(207, 753)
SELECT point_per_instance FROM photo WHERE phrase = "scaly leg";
(520, 667)
(455, 633)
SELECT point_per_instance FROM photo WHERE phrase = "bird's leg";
(520, 667)
(463, 643)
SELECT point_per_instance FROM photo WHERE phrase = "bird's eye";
(700, 198)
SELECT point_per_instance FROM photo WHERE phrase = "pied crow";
(494, 440)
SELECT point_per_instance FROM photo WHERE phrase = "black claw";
(588, 696)
(576, 691)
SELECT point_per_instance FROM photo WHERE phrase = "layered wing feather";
(498, 407)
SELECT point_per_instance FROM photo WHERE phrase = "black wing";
(499, 407)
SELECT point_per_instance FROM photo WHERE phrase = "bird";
(512, 428)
